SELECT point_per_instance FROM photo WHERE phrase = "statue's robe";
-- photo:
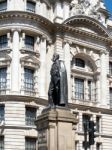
(63, 85)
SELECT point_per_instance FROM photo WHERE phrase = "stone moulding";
(66, 27)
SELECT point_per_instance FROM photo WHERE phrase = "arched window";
(79, 62)
(83, 79)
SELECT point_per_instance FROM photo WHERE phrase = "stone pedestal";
(56, 129)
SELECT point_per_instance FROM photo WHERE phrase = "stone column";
(86, 98)
(15, 62)
(103, 79)
(9, 40)
(97, 89)
(80, 121)
(68, 68)
(65, 10)
(73, 87)
(42, 84)
(36, 86)
(58, 14)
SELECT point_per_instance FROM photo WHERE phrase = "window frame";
(29, 83)
(79, 95)
(32, 4)
(3, 79)
(1, 142)
(110, 68)
(29, 120)
(3, 41)
(79, 63)
(85, 117)
(28, 141)
(29, 42)
(3, 3)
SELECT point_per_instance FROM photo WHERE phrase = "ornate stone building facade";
(30, 32)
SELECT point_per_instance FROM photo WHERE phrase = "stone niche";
(56, 129)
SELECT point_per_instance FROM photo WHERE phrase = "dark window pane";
(110, 68)
(28, 79)
(30, 144)
(3, 5)
(3, 78)
(3, 41)
(79, 88)
(79, 62)
(97, 123)
(1, 113)
(110, 97)
(30, 116)
(89, 90)
(31, 6)
(1, 143)
(85, 120)
(29, 42)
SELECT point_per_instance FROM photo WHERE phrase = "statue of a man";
(57, 94)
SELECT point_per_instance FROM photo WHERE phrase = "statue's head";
(55, 57)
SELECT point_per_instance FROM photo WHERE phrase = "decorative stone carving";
(87, 7)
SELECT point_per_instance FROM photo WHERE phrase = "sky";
(108, 4)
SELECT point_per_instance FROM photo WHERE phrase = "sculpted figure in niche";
(58, 92)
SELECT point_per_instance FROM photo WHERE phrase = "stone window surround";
(27, 138)
(86, 79)
(23, 49)
(35, 68)
(30, 122)
(6, 64)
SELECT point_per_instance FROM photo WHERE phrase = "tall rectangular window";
(85, 120)
(3, 41)
(30, 6)
(110, 91)
(30, 116)
(89, 90)
(30, 143)
(2, 113)
(79, 88)
(29, 80)
(97, 123)
(3, 5)
(1, 143)
(110, 68)
(29, 42)
(3, 78)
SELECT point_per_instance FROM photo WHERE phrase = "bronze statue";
(58, 92)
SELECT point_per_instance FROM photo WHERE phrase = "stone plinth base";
(56, 129)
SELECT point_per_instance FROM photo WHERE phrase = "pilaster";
(103, 79)
(66, 10)
(67, 60)
(15, 62)
(42, 84)
(58, 13)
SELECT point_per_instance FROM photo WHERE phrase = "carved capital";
(15, 29)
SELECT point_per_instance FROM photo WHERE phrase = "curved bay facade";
(30, 32)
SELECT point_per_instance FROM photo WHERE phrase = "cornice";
(54, 28)
(44, 102)
(47, 24)
(69, 29)
(89, 22)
